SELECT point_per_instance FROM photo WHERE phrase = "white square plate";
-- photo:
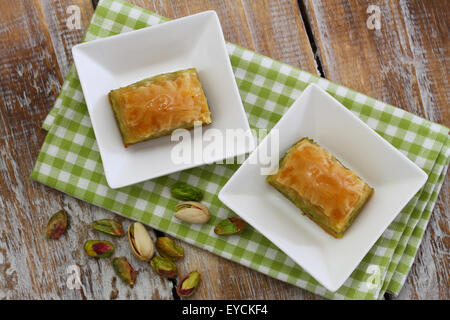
(317, 115)
(194, 41)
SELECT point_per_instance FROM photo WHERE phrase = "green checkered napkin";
(70, 162)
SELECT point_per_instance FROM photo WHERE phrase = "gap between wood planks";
(309, 33)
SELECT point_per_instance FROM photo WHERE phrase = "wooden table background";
(405, 63)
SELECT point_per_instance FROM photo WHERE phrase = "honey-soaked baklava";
(316, 182)
(156, 106)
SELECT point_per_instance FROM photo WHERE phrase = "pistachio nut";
(189, 284)
(164, 267)
(56, 225)
(167, 248)
(124, 270)
(192, 212)
(185, 192)
(109, 226)
(230, 226)
(140, 241)
(98, 248)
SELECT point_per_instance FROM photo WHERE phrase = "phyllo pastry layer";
(316, 182)
(156, 106)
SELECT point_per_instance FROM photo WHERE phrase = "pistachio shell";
(167, 248)
(164, 267)
(109, 226)
(124, 270)
(192, 212)
(98, 248)
(189, 284)
(229, 226)
(56, 225)
(140, 242)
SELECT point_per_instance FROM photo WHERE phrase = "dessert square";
(316, 182)
(156, 106)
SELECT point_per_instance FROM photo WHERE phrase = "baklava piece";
(316, 182)
(156, 106)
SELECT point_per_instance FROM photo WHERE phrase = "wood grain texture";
(30, 265)
(404, 63)
(428, 27)
(64, 36)
(270, 27)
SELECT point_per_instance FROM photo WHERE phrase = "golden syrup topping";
(163, 103)
(315, 176)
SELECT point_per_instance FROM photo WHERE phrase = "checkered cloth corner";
(69, 161)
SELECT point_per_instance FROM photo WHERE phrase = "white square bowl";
(317, 115)
(105, 64)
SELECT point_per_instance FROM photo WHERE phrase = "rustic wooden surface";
(404, 63)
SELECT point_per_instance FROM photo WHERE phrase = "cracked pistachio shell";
(230, 226)
(189, 284)
(98, 248)
(192, 212)
(109, 226)
(124, 270)
(140, 242)
(167, 248)
(185, 192)
(56, 225)
(164, 267)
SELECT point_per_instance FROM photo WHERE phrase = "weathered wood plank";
(30, 266)
(427, 25)
(404, 63)
(64, 32)
(284, 38)
(26, 83)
